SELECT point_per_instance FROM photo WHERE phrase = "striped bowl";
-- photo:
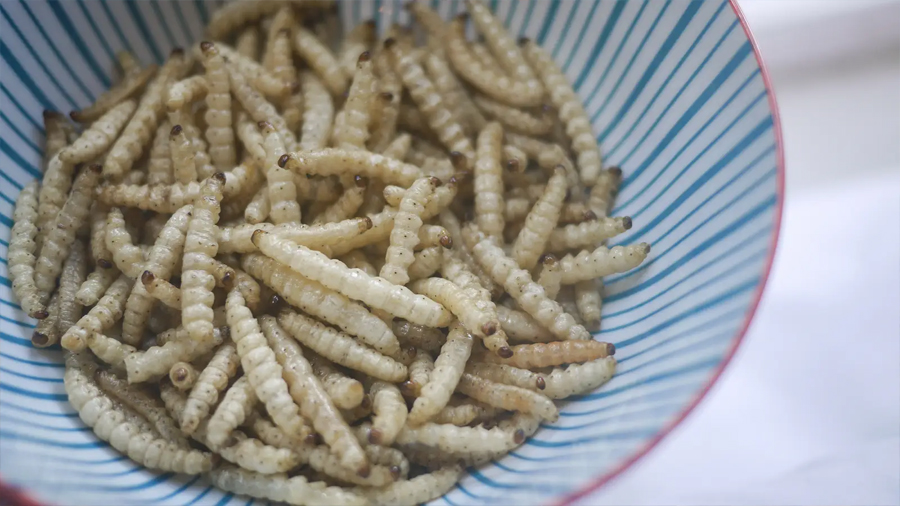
(679, 99)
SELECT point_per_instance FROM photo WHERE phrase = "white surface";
(809, 410)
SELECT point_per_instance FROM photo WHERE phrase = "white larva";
(442, 380)
(213, 379)
(21, 252)
(101, 317)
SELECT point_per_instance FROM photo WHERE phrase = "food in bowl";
(389, 254)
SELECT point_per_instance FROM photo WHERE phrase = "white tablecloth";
(809, 410)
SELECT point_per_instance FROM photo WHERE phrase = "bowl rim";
(17, 496)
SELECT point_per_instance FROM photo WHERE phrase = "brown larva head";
(366, 403)
(228, 279)
(219, 177)
(360, 181)
(589, 215)
(96, 168)
(386, 96)
(75, 115)
(206, 46)
(519, 437)
(374, 437)
(147, 278)
(257, 236)
(513, 165)
(176, 52)
(610, 349)
(446, 241)
(559, 169)
(646, 248)
(40, 314)
(626, 223)
(179, 375)
(615, 171)
(295, 87)
(548, 259)
(50, 115)
(459, 161)
(370, 23)
(523, 41)
(540, 383)
(389, 42)
(283, 160)
(489, 328)
(395, 472)
(505, 352)
(409, 388)
(104, 263)
(364, 57)
(435, 181)
(367, 222)
(364, 471)
(176, 130)
(40, 340)
(312, 439)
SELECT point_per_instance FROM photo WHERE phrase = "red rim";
(14, 496)
(739, 337)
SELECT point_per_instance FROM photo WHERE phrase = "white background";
(808, 412)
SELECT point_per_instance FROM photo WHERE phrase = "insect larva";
(507, 397)
(310, 396)
(390, 413)
(443, 195)
(183, 93)
(579, 378)
(259, 207)
(258, 107)
(247, 42)
(489, 181)
(261, 366)
(540, 222)
(99, 136)
(109, 349)
(255, 74)
(201, 246)
(182, 150)
(464, 413)
(236, 404)
(46, 332)
(238, 239)
(587, 233)
(278, 487)
(357, 40)
(571, 111)
(347, 204)
(175, 346)
(73, 275)
(453, 439)
(121, 91)
(502, 45)
(419, 490)
(386, 107)
(205, 392)
(514, 159)
(109, 423)
(322, 460)
(442, 380)
(439, 119)
(329, 161)
(382, 223)
(456, 97)
(602, 262)
(420, 371)
(604, 192)
(183, 376)
(60, 237)
(159, 164)
(345, 392)
(99, 252)
(518, 283)
(21, 252)
(127, 257)
(57, 130)
(236, 14)
(161, 290)
(449, 221)
(318, 114)
(219, 132)
(517, 120)
(434, 235)
(404, 236)
(354, 129)
(283, 206)
(550, 275)
(250, 136)
(531, 356)
(475, 319)
(145, 405)
(520, 326)
(588, 301)
(341, 348)
(490, 80)
(509, 375)
(425, 263)
(96, 284)
(321, 60)
(277, 56)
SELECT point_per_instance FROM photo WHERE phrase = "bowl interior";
(677, 99)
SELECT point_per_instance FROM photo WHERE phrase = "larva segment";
(277, 57)
(219, 132)
(509, 397)
(566, 299)
(128, 257)
(453, 439)
(506, 374)
(182, 150)
(404, 235)
(434, 235)
(197, 276)
(259, 207)
(386, 108)
(344, 391)
(449, 221)
(213, 380)
(177, 346)
(501, 43)
(121, 91)
(243, 282)
(448, 367)
(278, 487)
(110, 350)
(310, 396)
(236, 405)
(419, 490)
(398, 147)
(571, 111)
(375, 292)
(330, 161)
(602, 262)
(540, 222)
(389, 413)
(453, 93)
(425, 263)
(515, 119)
(54, 189)
(341, 348)
(258, 107)
(99, 252)
(550, 276)
(514, 159)
(252, 139)
(360, 38)
(588, 301)
(183, 376)
(518, 283)
(443, 196)
(587, 233)
(323, 461)
(145, 405)
(238, 239)
(347, 205)
(57, 130)
(255, 74)
(579, 378)
(419, 372)
(46, 332)
(21, 252)
(109, 423)
(456, 271)
(247, 42)
(159, 164)
(96, 285)
(59, 238)
(532, 356)
(74, 272)
(137, 134)
(488, 79)
(438, 117)
(353, 131)
(260, 365)
(184, 93)
(318, 113)
(321, 60)
(475, 318)
(380, 231)
(232, 16)
(317, 300)
(283, 206)
(465, 413)
(489, 205)
(95, 140)
(604, 192)
(161, 290)
(161, 199)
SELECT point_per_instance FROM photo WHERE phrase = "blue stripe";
(21, 135)
(618, 436)
(23, 76)
(563, 36)
(5, 434)
(179, 490)
(669, 405)
(30, 377)
(653, 396)
(31, 423)
(33, 411)
(145, 31)
(17, 322)
(34, 395)
(162, 21)
(96, 31)
(115, 26)
(182, 21)
(21, 162)
(39, 126)
(548, 21)
(16, 340)
(599, 45)
(200, 496)
(624, 40)
(75, 37)
(702, 366)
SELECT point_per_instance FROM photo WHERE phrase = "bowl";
(679, 99)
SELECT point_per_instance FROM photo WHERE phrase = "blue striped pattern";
(676, 98)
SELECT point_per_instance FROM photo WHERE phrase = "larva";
(578, 378)
(235, 407)
(280, 488)
(21, 252)
(175, 347)
(587, 233)
(345, 392)
(182, 150)
(540, 222)
(353, 131)
(213, 379)
(550, 276)
(507, 397)
(109, 349)
(73, 274)
(238, 239)
(121, 91)
(389, 413)
(602, 262)
(330, 161)
(588, 301)
(321, 60)
(404, 236)
(46, 332)
(99, 136)
(419, 490)
(127, 256)
(419, 373)
(515, 119)
(474, 318)
(258, 107)
(357, 40)
(236, 14)
(183, 376)
(318, 113)
(219, 132)
(448, 367)
(283, 206)
(96, 285)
